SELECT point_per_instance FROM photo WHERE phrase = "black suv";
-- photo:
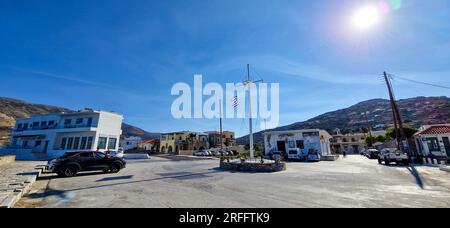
(73, 162)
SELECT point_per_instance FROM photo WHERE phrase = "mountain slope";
(12, 109)
(415, 112)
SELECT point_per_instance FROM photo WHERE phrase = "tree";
(409, 132)
(370, 140)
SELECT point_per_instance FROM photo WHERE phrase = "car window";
(99, 155)
(86, 155)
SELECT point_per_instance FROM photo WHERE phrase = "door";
(281, 146)
(46, 146)
(447, 145)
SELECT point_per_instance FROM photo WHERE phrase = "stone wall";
(7, 159)
(253, 167)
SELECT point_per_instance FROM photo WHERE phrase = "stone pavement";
(16, 179)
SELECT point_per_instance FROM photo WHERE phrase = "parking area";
(170, 181)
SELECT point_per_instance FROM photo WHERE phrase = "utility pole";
(398, 123)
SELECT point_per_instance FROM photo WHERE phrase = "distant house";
(183, 143)
(350, 143)
(151, 145)
(433, 141)
(228, 139)
(305, 140)
(56, 134)
(130, 143)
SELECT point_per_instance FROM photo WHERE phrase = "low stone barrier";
(136, 156)
(253, 166)
(329, 158)
(7, 159)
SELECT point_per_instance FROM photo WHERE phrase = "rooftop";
(435, 130)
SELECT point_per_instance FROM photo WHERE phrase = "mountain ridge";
(415, 111)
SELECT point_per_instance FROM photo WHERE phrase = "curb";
(445, 168)
(14, 197)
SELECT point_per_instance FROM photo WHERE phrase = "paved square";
(168, 181)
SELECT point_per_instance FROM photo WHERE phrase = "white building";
(56, 134)
(130, 143)
(305, 140)
(433, 141)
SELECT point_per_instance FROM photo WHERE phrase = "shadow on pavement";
(115, 178)
(414, 172)
(164, 176)
(417, 176)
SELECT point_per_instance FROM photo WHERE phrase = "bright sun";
(366, 17)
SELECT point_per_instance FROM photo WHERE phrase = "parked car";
(296, 154)
(363, 152)
(215, 153)
(372, 153)
(72, 163)
(313, 156)
(393, 155)
(199, 153)
(116, 154)
(276, 155)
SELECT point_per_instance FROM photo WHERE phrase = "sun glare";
(366, 17)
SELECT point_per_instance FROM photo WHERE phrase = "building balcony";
(59, 129)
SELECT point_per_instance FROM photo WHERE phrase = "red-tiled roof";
(151, 141)
(435, 130)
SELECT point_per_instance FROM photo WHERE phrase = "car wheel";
(106, 170)
(115, 168)
(379, 161)
(70, 171)
(386, 161)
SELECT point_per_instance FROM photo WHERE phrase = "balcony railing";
(67, 126)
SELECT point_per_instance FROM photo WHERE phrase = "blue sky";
(126, 55)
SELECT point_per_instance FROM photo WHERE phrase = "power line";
(419, 82)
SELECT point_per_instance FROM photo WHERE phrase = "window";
(69, 144)
(99, 156)
(76, 143)
(86, 155)
(83, 143)
(300, 144)
(89, 143)
(43, 123)
(63, 143)
(101, 143)
(51, 123)
(433, 144)
(37, 143)
(291, 144)
(19, 126)
(112, 143)
(67, 122)
(79, 121)
(35, 124)
(89, 122)
(25, 126)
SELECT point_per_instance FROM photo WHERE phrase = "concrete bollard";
(424, 160)
(435, 161)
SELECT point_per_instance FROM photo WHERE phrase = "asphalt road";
(190, 182)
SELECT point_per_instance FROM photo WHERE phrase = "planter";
(253, 166)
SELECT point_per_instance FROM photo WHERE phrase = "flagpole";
(249, 84)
